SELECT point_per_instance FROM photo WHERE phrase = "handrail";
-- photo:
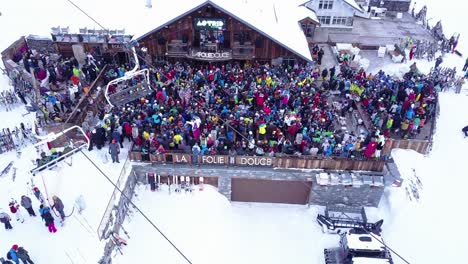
(84, 97)
(55, 161)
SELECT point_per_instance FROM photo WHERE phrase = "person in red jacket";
(370, 149)
(127, 129)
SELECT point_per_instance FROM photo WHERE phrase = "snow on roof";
(306, 12)
(354, 4)
(361, 260)
(276, 19)
(363, 242)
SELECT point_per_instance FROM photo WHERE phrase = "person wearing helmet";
(38, 195)
(12, 254)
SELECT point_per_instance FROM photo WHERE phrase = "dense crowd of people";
(266, 110)
(62, 81)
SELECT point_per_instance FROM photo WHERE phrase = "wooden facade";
(265, 161)
(240, 42)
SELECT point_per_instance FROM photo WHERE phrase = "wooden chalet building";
(222, 30)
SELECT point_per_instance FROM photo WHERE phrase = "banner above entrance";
(209, 56)
(210, 23)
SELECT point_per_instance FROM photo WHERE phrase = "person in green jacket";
(76, 71)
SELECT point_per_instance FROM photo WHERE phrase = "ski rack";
(53, 136)
(129, 75)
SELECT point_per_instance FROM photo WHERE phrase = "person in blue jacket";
(12, 254)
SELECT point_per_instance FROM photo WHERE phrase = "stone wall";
(363, 195)
(353, 189)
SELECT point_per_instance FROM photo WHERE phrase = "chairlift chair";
(128, 93)
(69, 151)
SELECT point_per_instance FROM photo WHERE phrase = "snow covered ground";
(204, 225)
(208, 229)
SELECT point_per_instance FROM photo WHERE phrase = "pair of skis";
(414, 187)
(183, 184)
(6, 170)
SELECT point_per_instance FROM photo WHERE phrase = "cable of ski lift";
(136, 207)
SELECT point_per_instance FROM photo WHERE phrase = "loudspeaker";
(80, 38)
(259, 42)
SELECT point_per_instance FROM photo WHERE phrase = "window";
(324, 20)
(325, 4)
(339, 20)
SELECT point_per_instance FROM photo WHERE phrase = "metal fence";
(113, 200)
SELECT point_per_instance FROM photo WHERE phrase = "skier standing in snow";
(27, 204)
(48, 218)
(38, 195)
(58, 205)
(15, 209)
(465, 130)
(320, 56)
(5, 219)
(24, 256)
(12, 254)
(438, 62)
(114, 151)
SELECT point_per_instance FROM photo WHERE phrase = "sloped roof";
(354, 5)
(306, 12)
(276, 19)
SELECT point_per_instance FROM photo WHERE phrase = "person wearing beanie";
(12, 254)
(48, 218)
(38, 195)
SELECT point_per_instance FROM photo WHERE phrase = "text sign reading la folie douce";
(224, 160)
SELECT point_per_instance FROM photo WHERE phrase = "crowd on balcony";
(61, 81)
(269, 110)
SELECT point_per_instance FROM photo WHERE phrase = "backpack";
(8, 255)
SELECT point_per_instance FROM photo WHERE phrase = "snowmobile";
(358, 246)
(59, 154)
(128, 88)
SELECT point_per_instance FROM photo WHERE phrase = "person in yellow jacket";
(177, 140)
(146, 135)
(262, 131)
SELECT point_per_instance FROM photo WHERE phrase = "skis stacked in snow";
(414, 188)
(6, 140)
(8, 98)
(183, 184)
(13, 177)
(6, 169)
